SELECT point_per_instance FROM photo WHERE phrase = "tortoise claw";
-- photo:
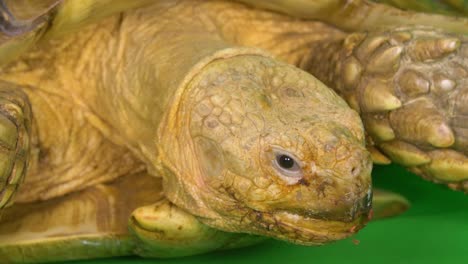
(410, 86)
(404, 153)
(15, 118)
(420, 121)
(388, 204)
(448, 165)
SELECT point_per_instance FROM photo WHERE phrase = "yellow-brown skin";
(406, 75)
(429, 137)
(137, 106)
(237, 109)
(178, 89)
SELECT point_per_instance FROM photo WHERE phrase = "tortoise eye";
(287, 166)
(285, 162)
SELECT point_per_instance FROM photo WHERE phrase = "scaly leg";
(388, 204)
(15, 126)
(410, 87)
(93, 224)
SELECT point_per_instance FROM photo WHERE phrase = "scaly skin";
(174, 86)
(143, 93)
(329, 43)
(15, 125)
(238, 108)
(429, 141)
(409, 87)
(94, 223)
(87, 224)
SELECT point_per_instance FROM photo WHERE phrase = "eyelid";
(278, 152)
(296, 166)
(290, 176)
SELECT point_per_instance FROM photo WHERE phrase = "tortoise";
(173, 128)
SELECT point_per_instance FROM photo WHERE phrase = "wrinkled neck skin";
(156, 51)
(212, 118)
(176, 161)
(243, 109)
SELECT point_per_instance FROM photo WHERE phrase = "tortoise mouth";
(312, 231)
(315, 228)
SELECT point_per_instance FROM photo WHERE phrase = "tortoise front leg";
(410, 87)
(15, 124)
(388, 204)
(88, 224)
(164, 230)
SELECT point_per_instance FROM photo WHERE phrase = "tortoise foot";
(15, 120)
(163, 230)
(388, 204)
(410, 86)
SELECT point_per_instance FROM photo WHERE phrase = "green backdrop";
(434, 230)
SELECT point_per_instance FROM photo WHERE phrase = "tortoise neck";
(324, 61)
(151, 58)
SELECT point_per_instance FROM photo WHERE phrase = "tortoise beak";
(316, 228)
(324, 228)
(360, 208)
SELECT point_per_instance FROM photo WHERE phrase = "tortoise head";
(269, 150)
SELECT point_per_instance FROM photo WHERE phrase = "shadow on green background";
(434, 230)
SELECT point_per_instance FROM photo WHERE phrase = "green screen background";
(434, 230)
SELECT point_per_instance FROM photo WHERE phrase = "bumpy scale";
(409, 86)
(203, 97)
(407, 79)
(172, 93)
